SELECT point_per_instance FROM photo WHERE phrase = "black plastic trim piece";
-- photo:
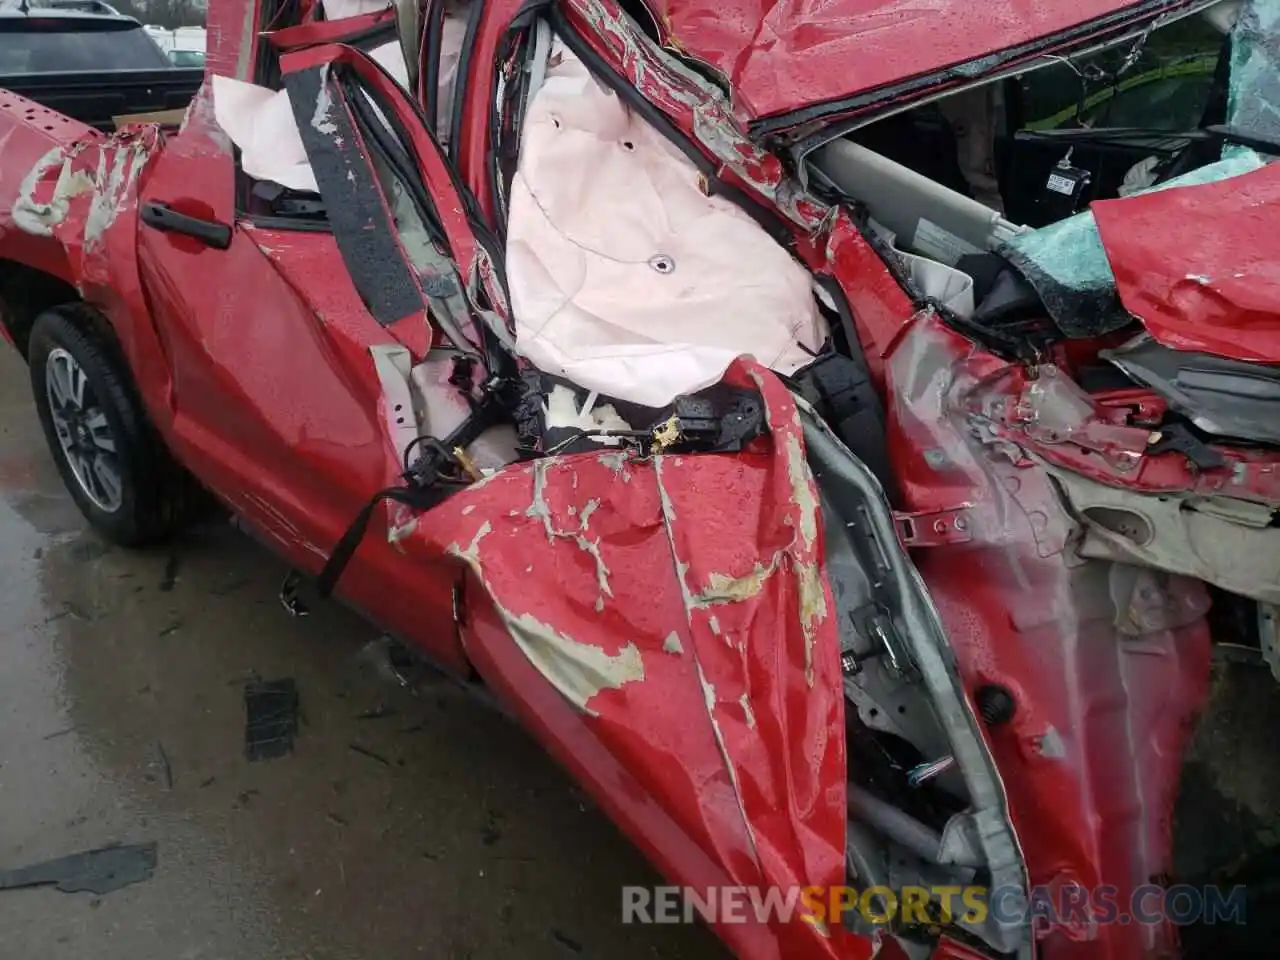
(357, 209)
(296, 225)
(162, 217)
(371, 37)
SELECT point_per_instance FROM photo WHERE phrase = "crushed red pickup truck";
(844, 434)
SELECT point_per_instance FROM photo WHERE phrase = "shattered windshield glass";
(1068, 266)
(1253, 95)
(1066, 262)
(1161, 80)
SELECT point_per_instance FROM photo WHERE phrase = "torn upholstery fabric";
(626, 278)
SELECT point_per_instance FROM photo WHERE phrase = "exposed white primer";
(471, 552)
(117, 171)
(672, 643)
(39, 219)
(668, 509)
(201, 116)
(617, 462)
(1050, 746)
(401, 528)
(708, 691)
(320, 118)
(809, 585)
(725, 589)
(578, 670)
(802, 489)
(539, 510)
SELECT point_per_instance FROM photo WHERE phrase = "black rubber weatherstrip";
(431, 81)
(497, 359)
(364, 39)
(470, 207)
(378, 138)
(462, 81)
(479, 227)
(295, 224)
(847, 323)
(772, 223)
(1129, 16)
(524, 20)
(398, 157)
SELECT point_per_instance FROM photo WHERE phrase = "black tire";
(154, 496)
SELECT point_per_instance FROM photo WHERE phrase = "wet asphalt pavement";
(407, 822)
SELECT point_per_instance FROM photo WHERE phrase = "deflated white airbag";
(626, 278)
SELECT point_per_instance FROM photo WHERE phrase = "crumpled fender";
(678, 603)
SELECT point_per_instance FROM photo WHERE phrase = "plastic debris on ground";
(271, 718)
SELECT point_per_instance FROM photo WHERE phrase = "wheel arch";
(25, 293)
(165, 495)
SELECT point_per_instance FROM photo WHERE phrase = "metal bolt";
(996, 704)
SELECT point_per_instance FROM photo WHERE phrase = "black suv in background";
(59, 36)
(84, 59)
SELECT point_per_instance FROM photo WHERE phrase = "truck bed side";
(95, 99)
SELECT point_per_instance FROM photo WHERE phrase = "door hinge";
(934, 528)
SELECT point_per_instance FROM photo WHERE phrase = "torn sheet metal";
(688, 613)
(1198, 266)
(699, 109)
(1107, 670)
(1223, 397)
(354, 149)
(1068, 262)
(1229, 543)
(625, 276)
